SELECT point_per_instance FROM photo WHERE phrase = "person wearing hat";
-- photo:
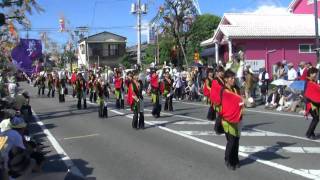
(13, 129)
(303, 71)
(292, 73)
(264, 84)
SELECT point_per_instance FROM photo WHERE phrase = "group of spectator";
(20, 154)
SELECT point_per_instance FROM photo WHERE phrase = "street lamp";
(139, 9)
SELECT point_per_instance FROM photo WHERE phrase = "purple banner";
(25, 53)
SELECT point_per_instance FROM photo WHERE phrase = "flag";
(25, 53)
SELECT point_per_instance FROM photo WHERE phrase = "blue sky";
(115, 14)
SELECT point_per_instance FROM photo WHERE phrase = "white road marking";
(249, 110)
(64, 156)
(243, 133)
(183, 122)
(282, 134)
(181, 116)
(80, 137)
(245, 155)
(272, 149)
(312, 171)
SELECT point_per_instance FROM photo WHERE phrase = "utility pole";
(139, 34)
(316, 28)
(139, 9)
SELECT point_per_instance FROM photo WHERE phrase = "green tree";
(150, 54)
(202, 29)
(125, 61)
(166, 42)
(178, 16)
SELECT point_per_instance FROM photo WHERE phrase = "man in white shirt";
(292, 73)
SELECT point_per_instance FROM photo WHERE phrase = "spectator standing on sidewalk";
(303, 70)
(264, 84)
(292, 73)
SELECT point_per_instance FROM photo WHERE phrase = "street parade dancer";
(312, 91)
(206, 92)
(91, 88)
(168, 92)
(135, 100)
(51, 86)
(41, 84)
(101, 99)
(73, 83)
(81, 90)
(231, 112)
(155, 94)
(215, 98)
(118, 89)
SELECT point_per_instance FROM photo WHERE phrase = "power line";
(35, 29)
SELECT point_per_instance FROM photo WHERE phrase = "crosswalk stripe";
(312, 171)
(243, 133)
(182, 122)
(274, 149)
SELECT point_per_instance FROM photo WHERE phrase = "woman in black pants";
(313, 101)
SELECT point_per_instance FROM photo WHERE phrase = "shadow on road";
(267, 154)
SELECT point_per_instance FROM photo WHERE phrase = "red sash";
(130, 99)
(154, 81)
(312, 92)
(232, 106)
(118, 83)
(215, 93)
(206, 91)
(162, 87)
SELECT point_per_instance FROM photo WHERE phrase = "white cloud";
(269, 9)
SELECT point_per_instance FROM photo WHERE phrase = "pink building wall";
(303, 7)
(281, 49)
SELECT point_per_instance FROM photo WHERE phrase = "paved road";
(178, 145)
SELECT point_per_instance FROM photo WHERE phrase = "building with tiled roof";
(267, 39)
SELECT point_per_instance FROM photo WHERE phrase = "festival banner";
(27, 51)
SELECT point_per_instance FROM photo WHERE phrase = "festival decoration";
(62, 24)
(25, 53)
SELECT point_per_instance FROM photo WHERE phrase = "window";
(114, 49)
(106, 50)
(306, 48)
(82, 49)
